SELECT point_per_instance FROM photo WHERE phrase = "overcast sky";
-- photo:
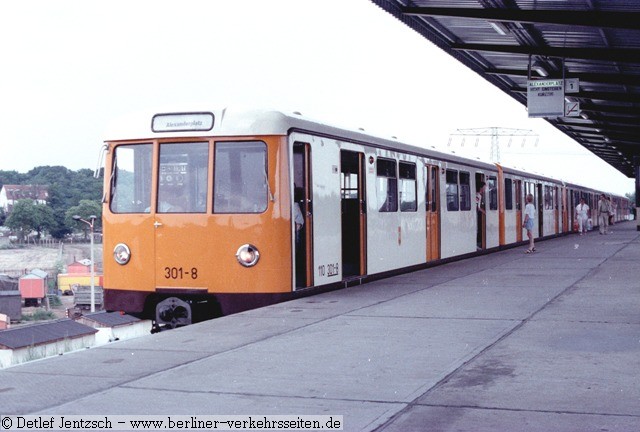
(71, 67)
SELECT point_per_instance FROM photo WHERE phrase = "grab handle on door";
(157, 224)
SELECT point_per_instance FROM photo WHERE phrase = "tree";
(28, 216)
(11, 177)
(85, 209)
(66, 189)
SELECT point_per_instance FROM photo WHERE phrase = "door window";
(182, 177)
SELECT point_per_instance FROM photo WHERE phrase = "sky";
(71, 67)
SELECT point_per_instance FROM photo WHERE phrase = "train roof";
(250, 122)
(241, 122)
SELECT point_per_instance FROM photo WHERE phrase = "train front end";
(196, 220)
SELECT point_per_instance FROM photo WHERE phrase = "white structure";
(9, 194)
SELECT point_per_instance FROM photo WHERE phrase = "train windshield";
(182, 178)
(131, 179)
(240, 179)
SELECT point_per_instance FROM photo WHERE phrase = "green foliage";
(84, 209)
(28, 216)
(66, 189)
(39, 315)
(12, 177)
(55, 301)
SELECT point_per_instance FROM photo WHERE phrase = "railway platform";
(501, 342)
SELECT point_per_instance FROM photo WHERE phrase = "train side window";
(452, 190)
(240, 177)
(492, 185)
(387, 185)
(508, 194)
(131, 179)
(465, 191)
(182, 177)
(408, 185)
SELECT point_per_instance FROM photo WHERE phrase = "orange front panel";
(201, 253)
(137, 232)
(197, 251)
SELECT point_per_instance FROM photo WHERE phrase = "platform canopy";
(510, 42)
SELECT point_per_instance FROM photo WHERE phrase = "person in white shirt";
(529, 218)
(582, 215)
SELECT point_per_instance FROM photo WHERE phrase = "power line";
(495, 133)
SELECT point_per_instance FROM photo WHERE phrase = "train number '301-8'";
(180, 273)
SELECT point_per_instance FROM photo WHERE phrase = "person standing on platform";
(603, 214)
(528, 224)
(582, 215)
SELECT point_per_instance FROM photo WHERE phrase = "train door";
(572, 211)
(433, 213)
(556, 208)
(481, 234)
(565, 214)
(518, 187)
(354, 216)
(302, 196)
(540, 204)
(180, 217)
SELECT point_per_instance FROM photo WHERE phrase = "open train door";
(519, 199)
(556, 209)
(481, 235)
(354, 216)
(540, 208)
(433, 213)
(565, 211)
(302, 196)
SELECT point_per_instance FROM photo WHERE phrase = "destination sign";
(178, 122)
(545, 98)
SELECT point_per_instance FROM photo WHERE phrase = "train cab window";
(408, 185)
(387, 185)
(452, 190)
(240, 177)
(465, 191)
(492, 186)
(131, 179)
(182, 178)
(508, 194)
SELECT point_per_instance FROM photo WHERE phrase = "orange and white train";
(213, 212)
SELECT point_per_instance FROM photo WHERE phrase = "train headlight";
(248, 255)
(121, 253)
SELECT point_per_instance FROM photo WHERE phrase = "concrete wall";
(106, 335)
(30, 353)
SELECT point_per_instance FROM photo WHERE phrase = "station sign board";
(545, 98)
